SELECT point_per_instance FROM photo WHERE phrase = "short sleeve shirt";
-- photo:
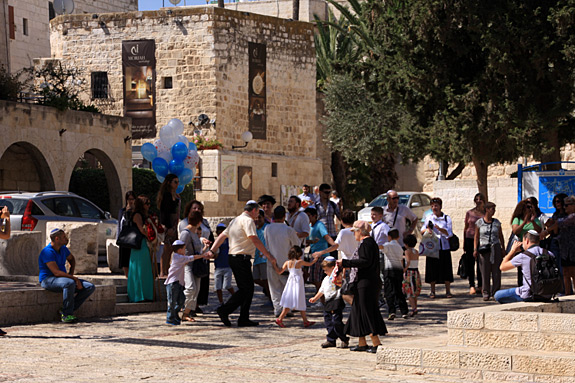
(318, 231)
(299, 221)
(328, 289)
(259, 256)
(238, 231)
(400, 223)
(347, 243)
(49, 254)
(526, 228)
(485, 228)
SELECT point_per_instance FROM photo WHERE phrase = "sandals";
(188, 318)
(280, 323)
(308, 324)
(448, 295)
(432, 295)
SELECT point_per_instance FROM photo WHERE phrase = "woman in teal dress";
(140, 276)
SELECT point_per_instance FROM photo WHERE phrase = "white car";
(31, 211)
(418, 202)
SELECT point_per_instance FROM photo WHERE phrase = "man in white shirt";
(280, 238)
(297, 219)
(396, 215)
(379, 229)
(345, 238)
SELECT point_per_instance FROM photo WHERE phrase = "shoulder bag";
(200, 267)
(453, 240)
(130, 236)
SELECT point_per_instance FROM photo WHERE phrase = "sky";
(150, 5)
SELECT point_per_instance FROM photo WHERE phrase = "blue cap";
(223, 225)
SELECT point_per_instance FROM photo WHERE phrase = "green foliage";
(59, 86)
(10, 85)
(92, 185)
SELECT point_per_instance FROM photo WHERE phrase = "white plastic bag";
(429, 245)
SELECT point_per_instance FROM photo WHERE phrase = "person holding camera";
(488, 250)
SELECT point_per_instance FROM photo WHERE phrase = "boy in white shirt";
(393, 275)
(175, 282)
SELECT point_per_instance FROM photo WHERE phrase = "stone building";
(24, 29)
(202, 62)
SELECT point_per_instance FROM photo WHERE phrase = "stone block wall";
(83, 244)
(19, 253)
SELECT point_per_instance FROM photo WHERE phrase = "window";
(62, 206)
(87, 210)
(168, 83)
(425, 200)
(51, 11)
(11, 23)
(274, 169)
(25, 27)
(99, 85)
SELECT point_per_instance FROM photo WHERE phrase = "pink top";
(470, 218)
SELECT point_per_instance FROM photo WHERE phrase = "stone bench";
(527, 342)
(33, 304)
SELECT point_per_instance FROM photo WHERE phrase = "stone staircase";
(520, 342)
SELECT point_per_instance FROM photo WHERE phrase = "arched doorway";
(87, 180)
(23, 167)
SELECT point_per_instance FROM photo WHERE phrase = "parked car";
(419, 203)
(31, 211)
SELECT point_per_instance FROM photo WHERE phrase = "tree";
(468, 81)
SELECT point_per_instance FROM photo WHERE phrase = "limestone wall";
(40, 146)
(4, 53)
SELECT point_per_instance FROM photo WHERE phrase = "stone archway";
(23, 167)
(112, 179)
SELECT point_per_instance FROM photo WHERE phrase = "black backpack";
(546, 281)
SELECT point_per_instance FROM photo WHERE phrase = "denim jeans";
(73, 298)
(507, 296)
(334, 325)
(176, 301)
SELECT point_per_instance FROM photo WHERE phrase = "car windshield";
(381, 200)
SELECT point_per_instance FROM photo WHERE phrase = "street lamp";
(247, 136)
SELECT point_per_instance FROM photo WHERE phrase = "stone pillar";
(19, 254)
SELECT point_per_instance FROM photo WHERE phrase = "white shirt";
(393, 255)
(177, 267)
(300, 222)
(280, 238)
(443, 222)
(347, 243)
(403, 214)
(379, 232)
(238, 232)
(328, 289)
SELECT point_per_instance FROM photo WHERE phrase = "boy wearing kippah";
(393, 275)
(175, 282)
(334, 305)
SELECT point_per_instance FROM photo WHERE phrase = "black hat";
(266, 198)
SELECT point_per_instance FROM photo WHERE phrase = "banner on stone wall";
(228, 175)
(139, 70)
(244, 183)
(257, 90)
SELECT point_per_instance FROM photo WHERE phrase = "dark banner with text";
(139, 69)
(257, 90)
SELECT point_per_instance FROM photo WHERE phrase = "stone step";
(475, 363)
(141, 307)
(122, 298)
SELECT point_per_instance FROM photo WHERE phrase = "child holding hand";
(334, 305)
(293, 296)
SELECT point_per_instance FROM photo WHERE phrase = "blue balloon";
(149, 151)
(176, 167)
(180, 188)
(193, 146)
(160, 166)
(179, 151)
(160, 178)
(186, 176)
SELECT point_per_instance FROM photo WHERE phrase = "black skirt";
(365, 318)
(439, 270)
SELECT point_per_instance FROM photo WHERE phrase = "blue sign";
(552, 183)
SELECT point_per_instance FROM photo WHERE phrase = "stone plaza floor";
(143, 348)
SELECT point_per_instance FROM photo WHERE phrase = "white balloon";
(177, 125)
(167, 155)
(192, 160)
(168, 136)
(183, 139)
(160, 147)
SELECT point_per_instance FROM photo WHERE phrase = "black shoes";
(358, 348)
(248, 323)
(372, 349)
(2, 332)
(224, 317)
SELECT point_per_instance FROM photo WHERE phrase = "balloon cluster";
(172, 153)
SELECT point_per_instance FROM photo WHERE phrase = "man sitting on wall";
(53, 275)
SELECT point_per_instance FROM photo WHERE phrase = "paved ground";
(143, 348)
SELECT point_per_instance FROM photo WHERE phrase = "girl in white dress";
(293, 296)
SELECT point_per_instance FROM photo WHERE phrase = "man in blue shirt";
(53, 275)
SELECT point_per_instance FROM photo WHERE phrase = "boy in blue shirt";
(318, 241)
(223, 273)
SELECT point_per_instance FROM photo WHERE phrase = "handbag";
(486, 249)
(453, 240)
(461, 269)
(130, 236)
(200, 268)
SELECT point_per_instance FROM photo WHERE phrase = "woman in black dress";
(365, 317)
(125, 216)
(168, 201)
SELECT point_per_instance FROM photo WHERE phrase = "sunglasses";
(326, 191)
(394, 197)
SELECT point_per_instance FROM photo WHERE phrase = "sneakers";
(404, 316)
(69, 319)
(391, 316)
(327, 344)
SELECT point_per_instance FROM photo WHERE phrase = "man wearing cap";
(53, 275)
(516, 258)
(280, 238)
(243, 239)
(396, 215)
